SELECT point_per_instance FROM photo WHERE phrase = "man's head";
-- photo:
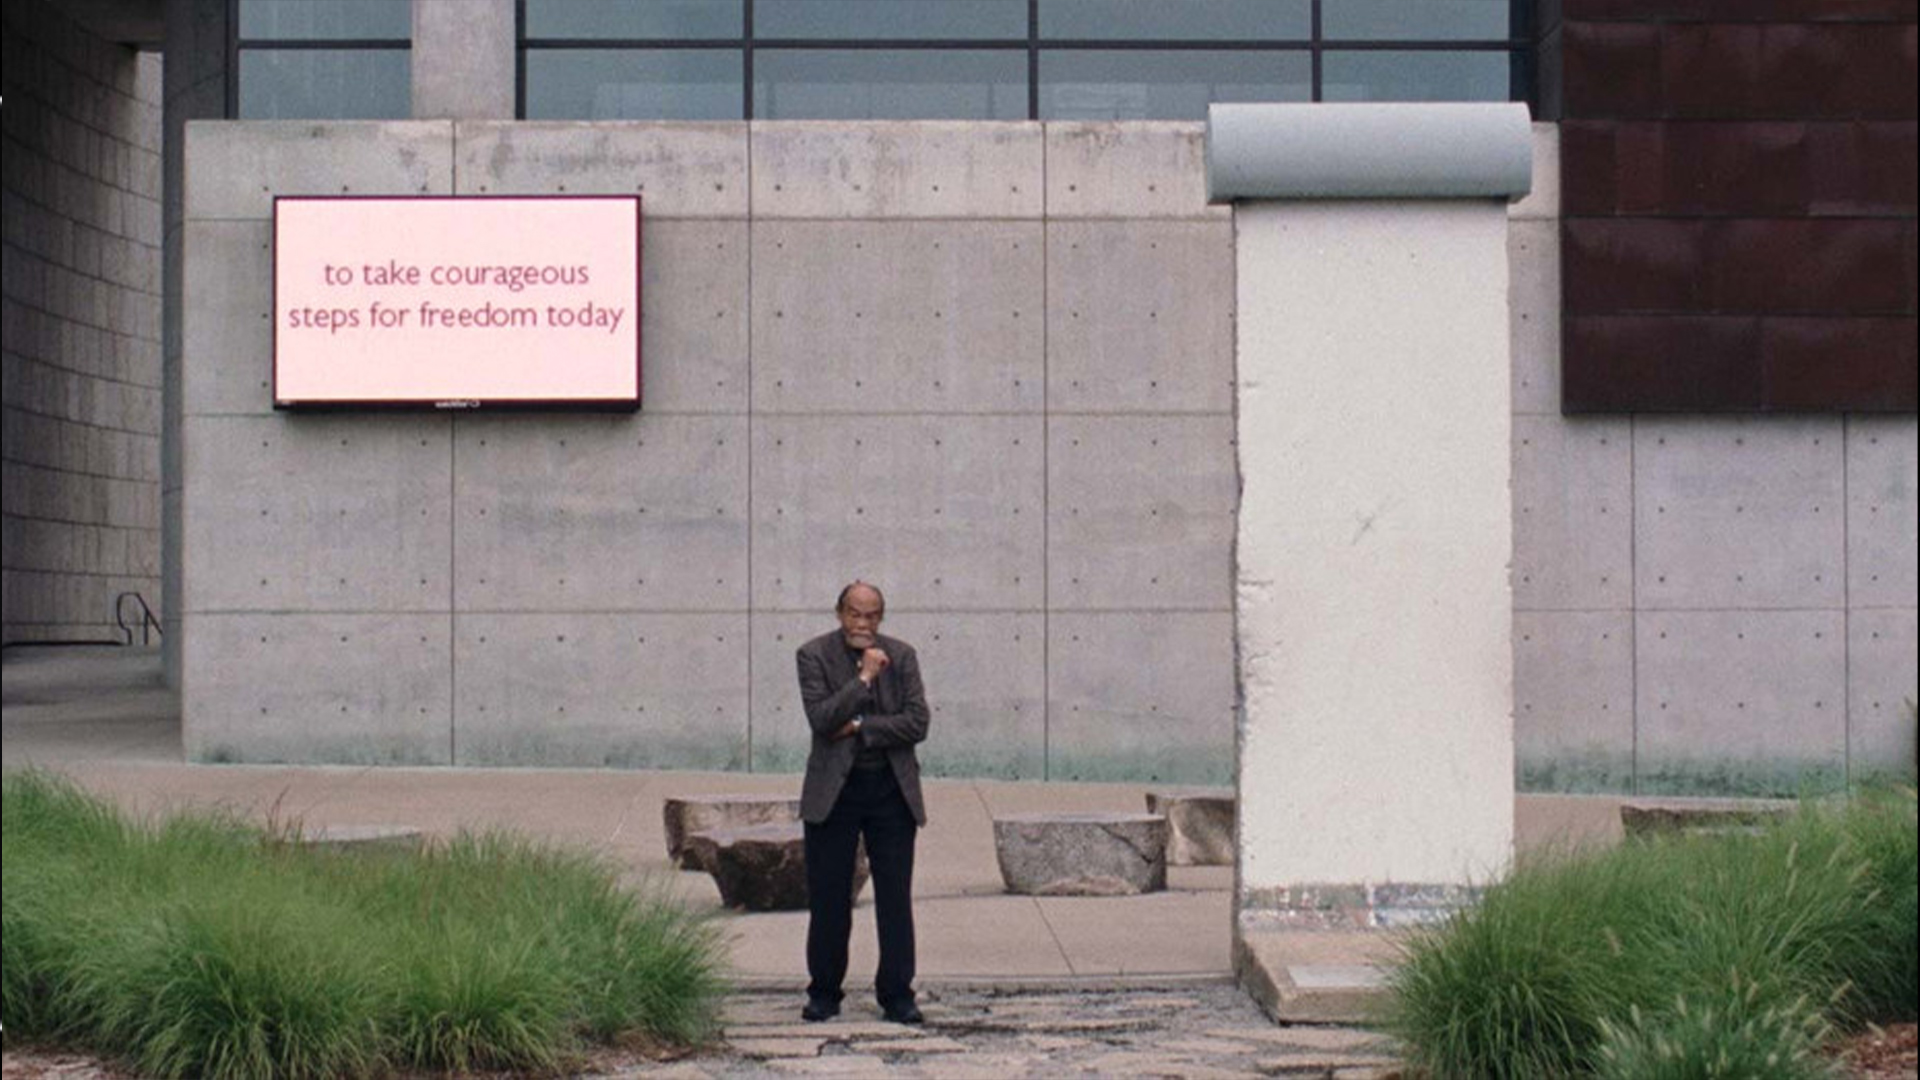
(860, 608)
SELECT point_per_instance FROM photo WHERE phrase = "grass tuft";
(1579, 961)
(202, 946)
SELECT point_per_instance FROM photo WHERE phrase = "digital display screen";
(440, 302)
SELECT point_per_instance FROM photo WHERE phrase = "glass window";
(1169, 85)
(865, 19)
(921, 84)
(326, 19)
(636, 20)
(326, 84)
(1415, 76)
(1416, 20)
(1177, 20)
(634, 84)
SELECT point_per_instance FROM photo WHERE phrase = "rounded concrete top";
(1428, 150)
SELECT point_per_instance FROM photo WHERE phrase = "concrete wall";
(80, 184)
(989, 367)
(1057, 374)
(1712, 605)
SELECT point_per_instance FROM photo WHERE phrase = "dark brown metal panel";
(1634, 264)
(1767, 168)
(1776, 70)
(1611, 69)
(1587, 175)
(1864, 167)
(1739, 195)
(1657, 363)
(1869, 364)
(1855, 266)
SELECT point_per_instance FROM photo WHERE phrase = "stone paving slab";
(1209, 1032)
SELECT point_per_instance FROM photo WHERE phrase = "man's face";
(860, 618)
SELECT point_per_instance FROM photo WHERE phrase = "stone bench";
(762, 867)
(1200, 824)
(1670, 817)
(700, 813)
(1082, 854)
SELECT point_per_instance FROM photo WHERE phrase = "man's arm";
(909, 726)
(829, 708)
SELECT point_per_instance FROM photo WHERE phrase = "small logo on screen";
(458, 403)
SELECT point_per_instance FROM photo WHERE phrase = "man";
(868, 710)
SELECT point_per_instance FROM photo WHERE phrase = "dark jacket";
(893, 715)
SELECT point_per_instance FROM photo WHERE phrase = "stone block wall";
(80, 269)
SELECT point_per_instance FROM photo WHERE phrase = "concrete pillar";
(463, 59)
(1373, 612)
(195, 79)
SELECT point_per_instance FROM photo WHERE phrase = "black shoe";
(818, 1009)
(908, 1013)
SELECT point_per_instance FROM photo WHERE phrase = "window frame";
(237, 44)
(1518, 47)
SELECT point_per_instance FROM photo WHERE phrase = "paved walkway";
(1018, 985)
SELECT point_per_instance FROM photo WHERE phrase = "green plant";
(201, 946)
(1555, 960)
(1733, 1042)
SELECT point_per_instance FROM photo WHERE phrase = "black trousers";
(870, 806)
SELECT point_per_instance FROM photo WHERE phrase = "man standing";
(868, 710)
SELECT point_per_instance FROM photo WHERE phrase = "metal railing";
(149, 626)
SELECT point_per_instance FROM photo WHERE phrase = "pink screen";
(457, 300)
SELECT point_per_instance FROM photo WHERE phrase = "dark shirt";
(867, 757)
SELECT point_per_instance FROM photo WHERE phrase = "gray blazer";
(893, 718)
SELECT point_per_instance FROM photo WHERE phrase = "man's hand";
(847, 731)
(872, 663)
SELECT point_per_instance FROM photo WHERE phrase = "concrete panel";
(463, 59)
(1881, 674)
(780, 734)
(1140, 512)
(947, 510)
(1140, 316)
(1739, 513)
(985, 677)
(228, 326)
(605, 691)
(1375, 542)
(235, 168)
(1146, 697)
(1741, 702)
(679, 170)
(1543, 202)
(898, 317)
(693, 321)
(591, 513)
(1572, 513)
(1573, 700)
(1132, 169)
(890, 169)
(1883, 513)
(317, 513)
(1533, 291)
(341, 689)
